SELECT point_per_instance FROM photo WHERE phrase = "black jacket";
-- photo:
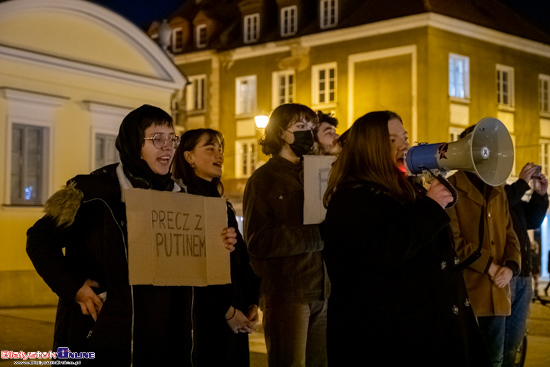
(216, 342)
(88, 220)
(525, 215)
(284, 253)
(394, 285)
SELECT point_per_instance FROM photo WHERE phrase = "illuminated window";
(246, 157)
(30, 118)
(324, 84)
(545, 156)
(459, 76)
(27, 164)
(505, 86)
(454, 133)
(544, 98)
(245, 95)
(196, 93)
(105, 150)
(283, 87)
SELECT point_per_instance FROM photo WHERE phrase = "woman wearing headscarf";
(98, 310)
(198, 167)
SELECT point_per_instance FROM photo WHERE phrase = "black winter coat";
(525, 215)
(396, 298)
(143, 325)
(217, 345)
(284, 253)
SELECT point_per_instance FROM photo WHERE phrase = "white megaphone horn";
(487, 151)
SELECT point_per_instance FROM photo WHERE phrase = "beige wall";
(400, 64)
(77, 69)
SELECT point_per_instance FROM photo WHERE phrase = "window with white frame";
(283, 87)
(245, 157)
(196, 93)
(28, 164)
(454, 133)
(328, 16)
(545, 156)
(245, 95)
(201, 36)
(289, 20)
(459, 76)
(324, 84)
(251, 29)
(505, 86)
(177, 40)
(30, 120)
(105, 123)
(105, 150)
(544, 97)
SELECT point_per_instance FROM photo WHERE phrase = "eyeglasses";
(160, 141)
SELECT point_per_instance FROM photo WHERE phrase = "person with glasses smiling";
(98, 310)
(285, 253)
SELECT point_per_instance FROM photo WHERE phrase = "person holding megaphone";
(390, 259)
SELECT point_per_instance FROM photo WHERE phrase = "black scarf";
(206, 188)
(128, 143)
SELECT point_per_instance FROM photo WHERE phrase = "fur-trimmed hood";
(63, 205)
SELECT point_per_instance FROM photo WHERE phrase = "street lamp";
(261, 121)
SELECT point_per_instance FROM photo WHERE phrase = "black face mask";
(303, 141)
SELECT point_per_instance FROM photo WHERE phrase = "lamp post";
(261, 121)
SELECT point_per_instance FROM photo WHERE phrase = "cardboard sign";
(316, 171)
(175, 238)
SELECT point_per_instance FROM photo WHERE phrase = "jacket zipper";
(192, 325)
(131, 286)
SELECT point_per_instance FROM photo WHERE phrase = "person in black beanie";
(98, 310)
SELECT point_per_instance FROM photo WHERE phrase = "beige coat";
(500, 243)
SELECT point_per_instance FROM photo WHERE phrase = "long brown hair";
(366, 156)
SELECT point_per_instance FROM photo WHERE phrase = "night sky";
(536, 11)
(143, 12)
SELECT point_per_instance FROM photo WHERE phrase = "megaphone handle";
(449, 187)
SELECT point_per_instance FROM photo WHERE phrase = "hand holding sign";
(229, 238)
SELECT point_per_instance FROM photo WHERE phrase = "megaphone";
(487, 151)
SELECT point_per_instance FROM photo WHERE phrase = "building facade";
(441, 65)
(69, 72)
